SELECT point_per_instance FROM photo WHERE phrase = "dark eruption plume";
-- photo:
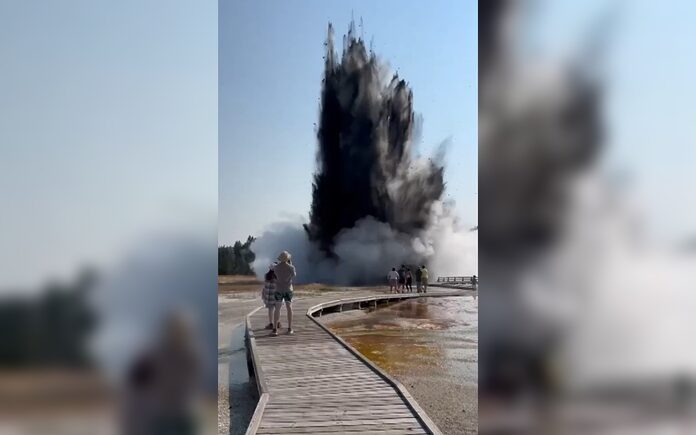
(538, 128)
(365, 166)
(376, 204)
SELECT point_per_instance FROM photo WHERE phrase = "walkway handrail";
(258, 375)
(455, 279)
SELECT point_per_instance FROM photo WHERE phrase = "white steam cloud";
(371, 248)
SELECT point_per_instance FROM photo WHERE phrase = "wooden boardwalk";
(315, 383)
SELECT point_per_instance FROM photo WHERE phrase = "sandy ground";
(237, 296)
(455, 411)
(67, 402)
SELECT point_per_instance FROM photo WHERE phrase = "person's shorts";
(283, 296)
(392, 282)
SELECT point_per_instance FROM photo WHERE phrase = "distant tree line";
(236, 259)
(48, 329)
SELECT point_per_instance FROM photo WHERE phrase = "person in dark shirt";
(402, 278)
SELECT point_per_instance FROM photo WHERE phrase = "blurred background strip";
(108, 221)
(587, 216)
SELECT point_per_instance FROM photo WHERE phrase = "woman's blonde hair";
(284, 257)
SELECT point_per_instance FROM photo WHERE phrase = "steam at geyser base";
(375, 205)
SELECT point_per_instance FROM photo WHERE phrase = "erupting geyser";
(365, 163)
(375, 204)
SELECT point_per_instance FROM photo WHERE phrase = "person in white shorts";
(285, 272)
(393, 278)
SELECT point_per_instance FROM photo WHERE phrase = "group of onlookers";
(401, 281)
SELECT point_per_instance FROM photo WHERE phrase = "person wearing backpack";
(402, 279)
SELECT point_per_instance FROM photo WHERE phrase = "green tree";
(236, 259)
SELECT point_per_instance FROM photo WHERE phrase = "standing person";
(402, 278)
(285, 272)
(474, 282)
(393, 278)
(424, 279)
(409, 280)
(268, 295)
(419, 273)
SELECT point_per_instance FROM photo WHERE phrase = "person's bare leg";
(276, 317)
(288, 307)
(271, 310)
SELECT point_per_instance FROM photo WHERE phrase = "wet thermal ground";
(431, 346)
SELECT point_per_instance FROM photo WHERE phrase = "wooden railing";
(459, 281)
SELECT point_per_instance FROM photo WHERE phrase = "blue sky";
(270, 58)
(109, 127)
(108, 130)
